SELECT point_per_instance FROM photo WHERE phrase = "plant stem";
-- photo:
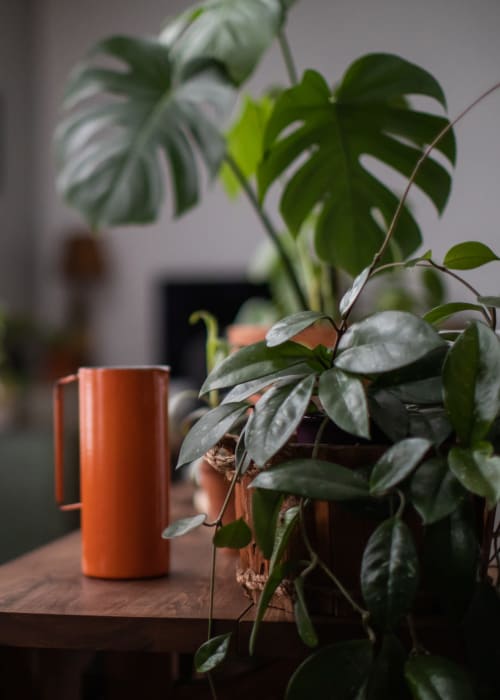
(212, 590)
(212, 686)
(269, 228)
(287, 57)
(390, 231)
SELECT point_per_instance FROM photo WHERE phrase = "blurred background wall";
(41, 40)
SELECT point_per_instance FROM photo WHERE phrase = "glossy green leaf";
(389, 573)
(432, 424)
(335, 672)
(234, 535)
(305, 627)
(244, 141)
(287, 523)
(323, 136)
(477, 471)
(314, 478)
(276, 417)
(434, 491)
(290, 326)
(258, 361)
(389, 414)
(211, 427)
(283, 377)
(183, 525)
(344, 400)
(274, 579)
(212, 653)
(387, 680)
(110, 151)
(444, 311)
(421, 392)
(234, 32)
(349, 298)
(450, 556)
(436, 678)
(265, 511)
(397, 463)
(386, 341)
(468, 255)
(471, 377)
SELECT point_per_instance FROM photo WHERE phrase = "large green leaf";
(265, 511)
(434, 491)
(211, 427)
(389, 573)
(283, 377)
(234, 32)
(276, 417)
(212, 653)
(344, 400)
(234, 535)
(314, 478)
(440, 313)
(257, 361)
(386, 341)
(468, 255)
(288, 327)
(335, 672)
(328, 134)
(397, 463)
(387, 681)
(471, 377)
(110, 150)
(478, 471)
(436, 678)
(244, 141)
(305, 627)
(183, 525)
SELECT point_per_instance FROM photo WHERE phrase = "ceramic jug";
(124, 468)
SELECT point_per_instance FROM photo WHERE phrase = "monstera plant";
(134, 104)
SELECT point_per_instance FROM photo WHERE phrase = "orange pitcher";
(124, 468)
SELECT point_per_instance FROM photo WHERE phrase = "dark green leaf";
(286, 527)
(349, 298)
(489, 301)
(289, 375)
(436, 678)
(184, 525)
(466, 256)
(397, 463)
(477, 471)
(234, 535)
(450, 557)
(290, 326)
(245, 141)
(386, 341)
(110, 151)
(344, 400)
(431, 424)
(335, 672)
(212, 653)
(276, 417)
(434, 491)
(314, 478)
(234, 32)
(274, 579)
(471, 377)
(328, 135)
(265, 511)
(421, 392)
(444, 311)
(387, 681)
(390, 414)
(303, 621)
(209, 430)
(389, 573)
(258, 361)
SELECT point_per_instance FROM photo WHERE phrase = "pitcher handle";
(58, 403)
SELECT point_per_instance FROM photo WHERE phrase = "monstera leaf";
(234, 32)
(111, 148)
(329, 134)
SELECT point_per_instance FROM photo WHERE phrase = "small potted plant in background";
(430, 400)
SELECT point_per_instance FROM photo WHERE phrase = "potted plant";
(431, 400)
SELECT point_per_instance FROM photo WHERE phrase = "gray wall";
(456, 40)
